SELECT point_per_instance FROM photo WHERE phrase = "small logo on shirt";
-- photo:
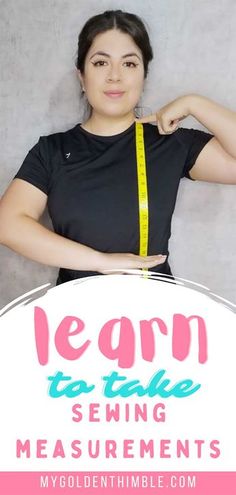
(67, 155)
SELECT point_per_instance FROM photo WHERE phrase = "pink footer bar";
(117, 483)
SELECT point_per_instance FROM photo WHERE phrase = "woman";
(88, 175)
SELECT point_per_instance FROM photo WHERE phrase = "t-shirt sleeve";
(36, 168)
(194, 141)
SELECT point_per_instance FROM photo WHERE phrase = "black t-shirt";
(91, 183)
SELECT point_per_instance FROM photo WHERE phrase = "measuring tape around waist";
(142, 191)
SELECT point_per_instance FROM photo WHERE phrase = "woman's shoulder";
(56, 143)
(60, 135)
(185, 137)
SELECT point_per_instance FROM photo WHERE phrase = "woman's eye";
(131, 64)
(99, 63)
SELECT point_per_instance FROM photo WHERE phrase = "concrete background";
(194, 46)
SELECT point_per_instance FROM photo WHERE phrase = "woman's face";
(113, 76)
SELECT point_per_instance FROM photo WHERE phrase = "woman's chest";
(109, 184)
(94, 194)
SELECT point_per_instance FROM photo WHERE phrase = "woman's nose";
(113, 73)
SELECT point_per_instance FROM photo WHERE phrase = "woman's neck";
(108, 126)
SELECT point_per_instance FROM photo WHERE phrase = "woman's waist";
(66, 275)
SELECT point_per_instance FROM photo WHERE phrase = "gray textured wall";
(194, 44)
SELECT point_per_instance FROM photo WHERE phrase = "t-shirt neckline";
(106, 138)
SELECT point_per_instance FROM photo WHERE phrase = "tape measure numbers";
(142, 191)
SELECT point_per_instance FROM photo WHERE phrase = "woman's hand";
(169, 116)
(110, 262)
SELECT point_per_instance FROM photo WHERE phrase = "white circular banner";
(118, 372)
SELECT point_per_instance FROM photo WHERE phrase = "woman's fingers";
(126, 261)
(165, 124)
(148, 261)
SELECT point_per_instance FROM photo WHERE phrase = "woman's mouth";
(114, 94)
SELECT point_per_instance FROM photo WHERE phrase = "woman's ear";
(81, 79)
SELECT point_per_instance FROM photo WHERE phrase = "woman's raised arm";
(217, 161)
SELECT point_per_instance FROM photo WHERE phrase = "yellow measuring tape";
(142, 191)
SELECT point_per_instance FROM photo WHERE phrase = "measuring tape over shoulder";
(142, 190)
